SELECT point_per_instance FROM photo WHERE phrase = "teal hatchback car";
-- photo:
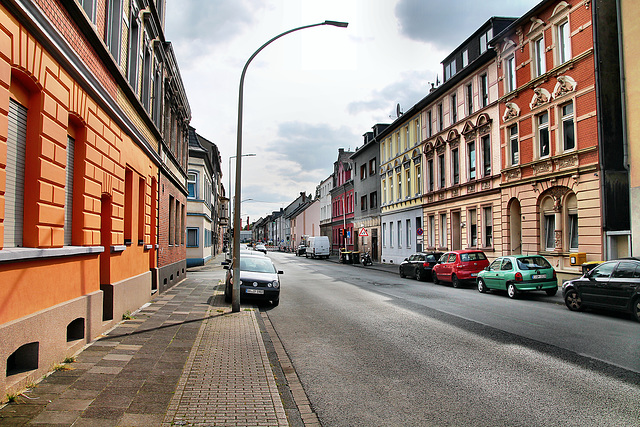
(519, 273)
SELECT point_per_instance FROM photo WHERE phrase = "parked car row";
(613, 285)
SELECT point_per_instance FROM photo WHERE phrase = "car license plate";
(539, 276)
(255, 291)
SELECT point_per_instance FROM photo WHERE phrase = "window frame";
(513, 142)
(197, 237)
(472, 160)
(484, 89)
(485, 141)
(566, 119)
(469, 93)
(510, 74)
(455, 166)
(193, 182)
(543, 134)
(538, 56)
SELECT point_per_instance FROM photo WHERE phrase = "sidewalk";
(184, 359)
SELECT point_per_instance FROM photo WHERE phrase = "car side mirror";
(280, 272)
(225, 263)
(486, 268)
(406, 259)
(226, 267)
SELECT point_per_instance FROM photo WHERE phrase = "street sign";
(419, 231)
(348, 234)
(363, 233)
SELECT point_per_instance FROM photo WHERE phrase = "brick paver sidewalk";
(184, 360)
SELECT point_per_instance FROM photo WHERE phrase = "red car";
(459, 267)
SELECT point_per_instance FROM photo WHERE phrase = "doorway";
(456, 235)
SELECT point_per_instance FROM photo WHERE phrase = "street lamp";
(235, 295)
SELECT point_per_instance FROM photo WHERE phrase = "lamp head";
(337, 23)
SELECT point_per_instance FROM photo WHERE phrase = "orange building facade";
(79, 181)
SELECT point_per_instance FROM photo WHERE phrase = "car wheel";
(401, 272)
(455, 282)
(552, 292)
(482, 288)
(512, 291)
(573, 301)
(434, 278)
(419, 275)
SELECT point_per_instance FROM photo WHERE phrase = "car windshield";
(533, 263)
(257, 265)
(473, 256)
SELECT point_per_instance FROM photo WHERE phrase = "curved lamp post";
(235, 295)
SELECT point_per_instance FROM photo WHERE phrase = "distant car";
(459, 267)
(251, 252)
(613, 285)
(419, 265)
(319, 247)
(259, 279)
(301, 250)
(519, 273)
(260, 247)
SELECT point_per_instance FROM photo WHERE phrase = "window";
(418, 172)
(68, 188)
(568, 134)
(113, 27)
(384, 191)
(484, 90)
(543, 134)
(513, 144)
(142, 202)
(397, 143)
(432, 231)
(465, 58)
(409, 233)
(147, 69)
(454, 108)
(363, 203)
(486, 155)
(390, 234)
(391, 193)
(128, 206)
(373, 200)
(538, 57)
(384, 235)
(625, 270)
(399, 186)
(471, 158)
(473, 228)
(488, 227)
(441, 170)
(549, 229)
(469, 93)
(440, 118)
(89, 7)
(564, 43)
(363, 172)
(192, 185)
(510, 74)
(134, 48)
(430, 173)
(406, 138)
(571, 204)
(417, 136)
(14, 184)
(192, 237)
(372, 167)
(407, 173)
(443, 230)
(455, 166)
(399, 234)
(157, 94)
(449, 70)
(418, 227)
(384, 151)
(484, 41)
(171, 220)
(429, 127)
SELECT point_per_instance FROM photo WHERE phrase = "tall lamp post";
(233, 157)
(235, 295)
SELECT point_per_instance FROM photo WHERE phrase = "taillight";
(425, 264)
(554, 274)
(518, 277)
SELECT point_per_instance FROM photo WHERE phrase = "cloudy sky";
(312, 91)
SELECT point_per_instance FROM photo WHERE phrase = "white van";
(318, 247)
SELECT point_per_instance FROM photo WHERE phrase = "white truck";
(318, 247)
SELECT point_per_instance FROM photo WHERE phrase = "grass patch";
(128, 316)
(70, 359)
(248, 309)
(11, 397)
(62, 368)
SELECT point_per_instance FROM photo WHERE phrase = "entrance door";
(456, 240)
(105, 259)
(374, 244)
(515, 224)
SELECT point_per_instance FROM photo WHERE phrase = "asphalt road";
(373, 349)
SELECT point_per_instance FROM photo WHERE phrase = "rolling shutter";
(68, 203)
(14, 191)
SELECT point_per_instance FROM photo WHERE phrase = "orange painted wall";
(31, 286)
(59, 106)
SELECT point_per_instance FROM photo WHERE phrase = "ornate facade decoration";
(485, 185)
(540, 97)
(513, 174)
(565, 85)
(471, 188)
(511, 112)
(542, 167)
(567, 162)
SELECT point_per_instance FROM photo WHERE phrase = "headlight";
(276, 284)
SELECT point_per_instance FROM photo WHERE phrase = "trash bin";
(588, 266)
(345, 257)
(355, 256)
